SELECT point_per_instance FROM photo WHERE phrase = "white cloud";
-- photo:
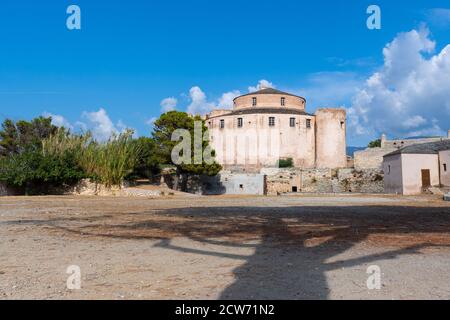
(261, 84)
(409, 92)
(168, 104)
(199, 103)
(101, 125)
(226, 100)
(414, 122)
(58, 120)
(98, 122)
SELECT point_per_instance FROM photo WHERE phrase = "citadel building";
(269, 125)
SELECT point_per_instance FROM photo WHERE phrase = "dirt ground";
(225, 247)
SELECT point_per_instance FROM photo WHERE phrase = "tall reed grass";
(107, 162)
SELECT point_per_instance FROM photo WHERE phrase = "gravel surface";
(225, 247)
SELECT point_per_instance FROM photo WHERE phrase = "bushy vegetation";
(375, 143)
(108, 163)
(285, 163)
(36, 156)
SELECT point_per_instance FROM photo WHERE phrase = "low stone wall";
(324, 180)
(371, 158)
(87, 187)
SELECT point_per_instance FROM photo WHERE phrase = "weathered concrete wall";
(444, 159)
(223, 183)
(393, 181)
(227, 183)
(324, 180)
(330, 138)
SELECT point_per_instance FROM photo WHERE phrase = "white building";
(412, 169)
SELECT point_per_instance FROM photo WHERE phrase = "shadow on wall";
(292, 245)
(197, 184)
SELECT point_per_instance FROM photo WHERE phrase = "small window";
(292, 122)
(389, 169)
(308, 123)
(283, 101)
(271, 121)
(254, 101)
(239, 122)
(222, 124)
(445, 167)
(294, 189)
(342, 124)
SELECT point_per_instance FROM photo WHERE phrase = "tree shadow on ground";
(294, 247)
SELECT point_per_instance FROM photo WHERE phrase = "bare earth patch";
(229, 247)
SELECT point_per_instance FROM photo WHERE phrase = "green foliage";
(147, 162)
(109, 162)
(24, 135)
(285, 163)
(162, 134)
(32, 169)
(375, 143)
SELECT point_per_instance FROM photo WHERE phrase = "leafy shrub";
(32, 170)
(285, 163)
(375, 143)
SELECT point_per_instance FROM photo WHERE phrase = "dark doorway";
(426, 180)
(294, 189)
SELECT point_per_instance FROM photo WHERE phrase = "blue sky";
(131, 55)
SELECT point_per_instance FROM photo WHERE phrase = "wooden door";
(426, 180)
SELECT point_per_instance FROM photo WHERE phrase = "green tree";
(147, 164)
(162, 136)
(375, 143)
(24, 135)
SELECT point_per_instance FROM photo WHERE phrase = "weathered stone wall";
(324, 180)
(371, 158)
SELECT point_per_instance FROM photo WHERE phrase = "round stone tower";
(330, 138)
